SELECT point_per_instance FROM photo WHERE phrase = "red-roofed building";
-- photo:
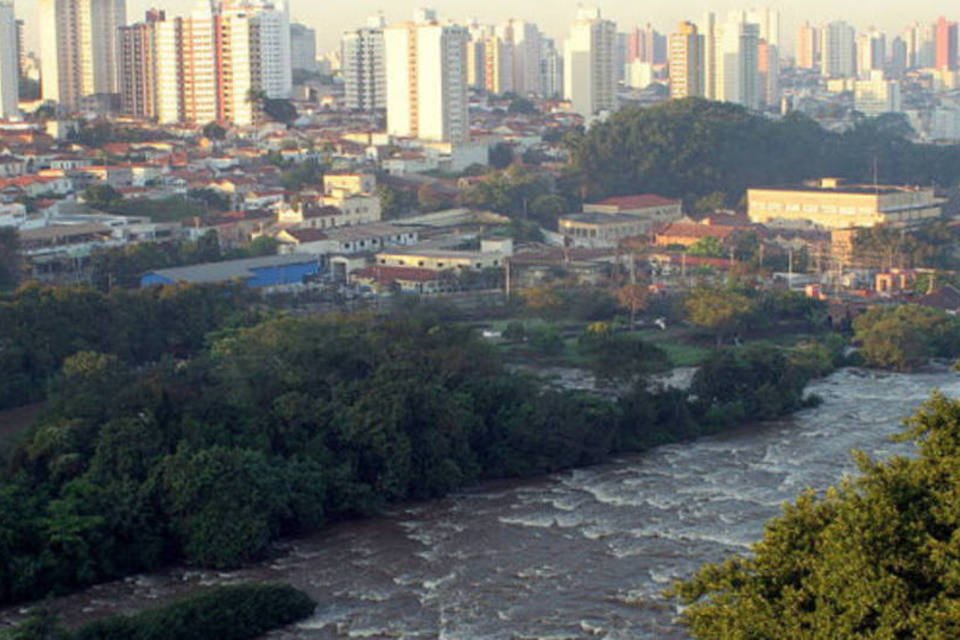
(650, 208)
(687, 234)
(402, 279)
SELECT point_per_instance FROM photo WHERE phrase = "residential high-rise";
(808, 46)
(215, 64)
(871, 52)
(426, 64)
(138, 66)
(78, 47)
(363, 67)
(647, 45)
(22, 61)
(686, 61)
(170, 87)
(303, 47)
(710, 44)
(946, 45)
(524, 38)
(769, 22)
(9, 67)
(738, 76)
(551, 69)
(838, 51)
(197, 49)
(920, 39)
(898, 58)
(768, 68)
(590, 79)
(498, 67)
(477, 56)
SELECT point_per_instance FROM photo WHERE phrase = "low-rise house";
(410, 280)
(365, 238)
(687, 234)
(597, 230)
(492, 255)
(647, 206)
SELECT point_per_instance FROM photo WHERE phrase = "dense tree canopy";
(876, 557)
(285, 425)
(693, 148)
(904, 337)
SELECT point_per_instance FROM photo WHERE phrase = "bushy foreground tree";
(876, 557)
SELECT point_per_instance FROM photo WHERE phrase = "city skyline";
(330, 23)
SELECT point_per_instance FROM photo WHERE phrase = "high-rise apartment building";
(78, 47)
(768, 69)
(920, 40)
(946, 45)
(590, 77)
(525, 41)
(808, 46)
(871, 52)
(737, 74)
(22, 60)
(303, 47)
(646, 44)
(551, 69)
(9, 67)
(768, 20)
(898, 57)
(211, 66)
(838, 51)
(498, 67)
(138, 66)
(686, 61)
(709, 29)
(363, 67)
(426, 64)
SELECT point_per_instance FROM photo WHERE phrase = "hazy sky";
(330, 18)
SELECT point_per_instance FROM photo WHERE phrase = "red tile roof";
(386, 275)
(691, 230)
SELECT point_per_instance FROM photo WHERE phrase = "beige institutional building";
(831, 205)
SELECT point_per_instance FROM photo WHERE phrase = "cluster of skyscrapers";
(839, 52)
(216, 63)
(209, 66)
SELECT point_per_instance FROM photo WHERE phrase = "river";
(579, 554)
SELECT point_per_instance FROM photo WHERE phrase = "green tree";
(213, 131)
(708, 247)
(501, 155)
(904, 337)
(547, 208)
(102, 196)
(718, 310)
(11, 262)
(875, 557)
(225, 505)
(282, 111)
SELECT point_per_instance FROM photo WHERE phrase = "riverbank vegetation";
(42, 326)
(277, 428)
(904, 337)
(875, 557)
(233, 612)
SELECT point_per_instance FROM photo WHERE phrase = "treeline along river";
(579, 554)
